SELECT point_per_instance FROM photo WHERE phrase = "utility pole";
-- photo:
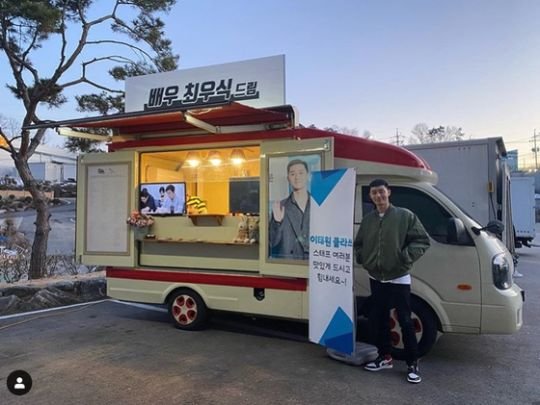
(398, 142)
(535, 150)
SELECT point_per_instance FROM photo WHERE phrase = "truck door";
(280, 252)
(106, 194)
(445, 268)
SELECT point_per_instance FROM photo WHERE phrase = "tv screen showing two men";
(162, 198)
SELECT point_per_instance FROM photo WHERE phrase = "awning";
(229, 118)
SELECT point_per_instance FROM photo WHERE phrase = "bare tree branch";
(90, 82)
(136, 48)
(130, 29)
(64, 39)
(25, 54)
(21, 86)
(81, 15)
(36, 140)
(84, 79)
(86, 26)
(102, 87)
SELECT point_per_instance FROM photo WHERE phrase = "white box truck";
(475, 175)
(523, 209)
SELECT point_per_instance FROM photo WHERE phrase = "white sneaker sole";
(379, 369)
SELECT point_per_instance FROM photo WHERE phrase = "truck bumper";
(506, 317)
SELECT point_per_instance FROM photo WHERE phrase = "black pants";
(386, 296)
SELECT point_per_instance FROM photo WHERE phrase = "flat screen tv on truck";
(463, 284)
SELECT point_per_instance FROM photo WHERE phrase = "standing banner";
(331, 296)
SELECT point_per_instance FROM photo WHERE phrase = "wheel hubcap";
(395, 329)
(184, 309)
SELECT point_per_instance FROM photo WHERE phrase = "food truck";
(231, 159)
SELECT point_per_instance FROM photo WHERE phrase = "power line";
(519, 141)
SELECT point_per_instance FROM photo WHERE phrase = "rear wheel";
(187, 310)
(425, 328)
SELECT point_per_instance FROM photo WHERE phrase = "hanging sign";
(256, 82)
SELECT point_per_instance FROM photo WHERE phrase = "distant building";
(47, 163)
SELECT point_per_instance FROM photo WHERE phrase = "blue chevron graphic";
(339, 333)
(323, 182)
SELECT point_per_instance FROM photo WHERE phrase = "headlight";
(502, 275)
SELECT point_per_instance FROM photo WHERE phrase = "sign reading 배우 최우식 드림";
(256, 82)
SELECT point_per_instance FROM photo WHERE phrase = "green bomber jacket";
(388, 246)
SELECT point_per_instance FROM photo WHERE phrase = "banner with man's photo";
(289, 186)
(331, 296)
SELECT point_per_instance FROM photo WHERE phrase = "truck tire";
(425, 325)
(187, 310)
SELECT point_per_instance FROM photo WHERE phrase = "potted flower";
(140, 223)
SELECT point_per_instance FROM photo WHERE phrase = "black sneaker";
(413, 376)
(379, 363)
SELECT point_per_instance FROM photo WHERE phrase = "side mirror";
(495, 226)
(457, 234)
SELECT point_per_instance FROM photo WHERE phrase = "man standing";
(389, 241)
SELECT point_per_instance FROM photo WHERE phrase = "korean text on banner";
(331, 297)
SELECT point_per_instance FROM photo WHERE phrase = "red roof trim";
(356, 148)
(274, 283)
(346, 146)
(201, 139)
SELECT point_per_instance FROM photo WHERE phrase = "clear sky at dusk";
(376, 65)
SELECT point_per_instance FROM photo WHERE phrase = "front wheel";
(187, 310)
(425, 328)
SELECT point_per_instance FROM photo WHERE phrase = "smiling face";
(380, 196)
(297, 176)
(170, 194)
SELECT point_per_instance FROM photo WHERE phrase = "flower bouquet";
(140, 223)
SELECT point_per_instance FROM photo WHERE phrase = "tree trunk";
(39, 247)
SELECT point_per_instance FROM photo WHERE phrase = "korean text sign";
(256, 82)
(331, 297)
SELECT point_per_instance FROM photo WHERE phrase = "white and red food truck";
(232, 158)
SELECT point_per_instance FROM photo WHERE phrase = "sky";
(376, 65)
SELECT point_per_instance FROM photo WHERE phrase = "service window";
(200, 181)
(432, 215)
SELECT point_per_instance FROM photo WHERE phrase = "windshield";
(459, 206)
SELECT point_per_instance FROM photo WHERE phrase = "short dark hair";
(162, 189)
(378, 183)
(296, 162)
(144, 192)
(170, 187)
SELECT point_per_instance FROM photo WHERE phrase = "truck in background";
(523, 209)
(475, 175)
